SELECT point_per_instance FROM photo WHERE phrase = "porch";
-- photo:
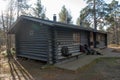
(74, 64)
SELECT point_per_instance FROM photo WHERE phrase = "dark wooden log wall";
(65, 38)
(32, 41)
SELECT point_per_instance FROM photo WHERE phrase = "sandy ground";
(23, 69)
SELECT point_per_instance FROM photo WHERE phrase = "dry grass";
(116, 50)
(113, 45)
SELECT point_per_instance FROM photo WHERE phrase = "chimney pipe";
(54, 17)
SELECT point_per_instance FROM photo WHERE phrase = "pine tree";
(93, 15)
(22, 7)
(113, 19)
(39, 10)
(65, 16)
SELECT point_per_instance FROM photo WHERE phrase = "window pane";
(76, 37)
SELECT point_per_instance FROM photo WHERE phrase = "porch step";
(73, 57)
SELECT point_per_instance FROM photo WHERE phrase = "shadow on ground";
(24, 69)
(35, 70)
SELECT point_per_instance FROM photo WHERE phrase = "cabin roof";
(50, 23)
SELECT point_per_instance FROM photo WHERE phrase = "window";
(31, 32)
(76, 37)
(101, 37)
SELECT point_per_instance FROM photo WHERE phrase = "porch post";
(106, 40)
(94, 38)
(88, 38)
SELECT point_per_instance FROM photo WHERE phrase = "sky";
(75, 6)
(54, 6)
(3, 5)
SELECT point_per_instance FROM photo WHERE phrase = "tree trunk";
(95, 23)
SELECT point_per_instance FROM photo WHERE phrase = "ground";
(24, 69)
